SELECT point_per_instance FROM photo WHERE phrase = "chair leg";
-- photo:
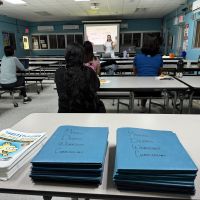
(13, 99)
(113, 102)
(41, 85)
(138, 102)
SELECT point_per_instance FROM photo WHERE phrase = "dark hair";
(77, 85)
(74, 55)
(151, 46)
(88, 51)
(110, 37)
(9, 51)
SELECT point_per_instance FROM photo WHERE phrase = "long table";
(194, 83)
(136, 83)
(42, 63)
(185, 126)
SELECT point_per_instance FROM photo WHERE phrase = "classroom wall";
(190, 18)
(133, 25)
(8, 24)
(58, 28)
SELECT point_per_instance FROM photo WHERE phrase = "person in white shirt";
(109, 46)
(109, 65)
(8, 76)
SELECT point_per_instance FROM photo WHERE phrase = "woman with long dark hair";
(77, 84)
(89, 59)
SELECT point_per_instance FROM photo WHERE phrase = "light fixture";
(81, 0)
(16, 1)
(94, 6)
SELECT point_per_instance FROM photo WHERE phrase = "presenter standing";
(109, 65)
(109, 46)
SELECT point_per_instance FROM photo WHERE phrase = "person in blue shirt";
(8, 76)
(148, 63)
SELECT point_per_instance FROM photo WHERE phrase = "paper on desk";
(165, 77)
(104, 81)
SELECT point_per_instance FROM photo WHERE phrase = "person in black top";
(77, 84)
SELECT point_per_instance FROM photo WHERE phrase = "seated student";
(89, 59)
(77, 84)
(148, 63)
(8, 77)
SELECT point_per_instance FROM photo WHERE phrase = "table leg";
(174, 102)
(166, 100)
(190, 102)
(47, 197)
(131, 101)
(181, 97)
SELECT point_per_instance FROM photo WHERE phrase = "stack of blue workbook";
(152, 160)
(72, 154)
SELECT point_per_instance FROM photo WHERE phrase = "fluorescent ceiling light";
(16, 1)
(81, 0)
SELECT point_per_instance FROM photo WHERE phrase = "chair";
(115, 95)
(194, 95)
(12, 92)
(153, 96)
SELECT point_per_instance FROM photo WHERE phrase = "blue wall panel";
(18, 27)
(143, 25)
(8, 24)
(133, 25)
(190, 18)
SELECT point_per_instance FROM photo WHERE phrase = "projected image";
(97, 34)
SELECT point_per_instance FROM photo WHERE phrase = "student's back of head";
(76, 84)
(74, 56)
(151, 46)
(88, 51)
(149, 62)
(9, 51)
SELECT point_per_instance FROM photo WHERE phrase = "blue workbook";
(96, 180)
(70, 174)
(66, 169)
(153, 177)
(123, 185)
(151, 151)
(74, 145)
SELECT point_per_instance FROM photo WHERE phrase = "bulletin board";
(185, 37)
(9, 39)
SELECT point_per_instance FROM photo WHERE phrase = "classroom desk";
(118, 58)
(169, 65)
(185, 126)
(43, 63)
(138, 83)
(194, 83)
(46, 58)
